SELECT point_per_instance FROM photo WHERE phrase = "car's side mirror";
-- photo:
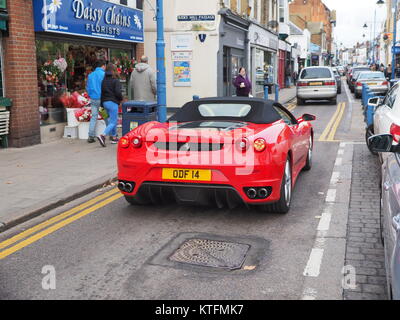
(308, 117)
(375, 102)
(381, 143)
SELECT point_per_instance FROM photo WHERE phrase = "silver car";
(390, 208)
(375, 80)
(316, 83)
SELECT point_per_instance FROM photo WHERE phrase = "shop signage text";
(196, 18)
(94, 18)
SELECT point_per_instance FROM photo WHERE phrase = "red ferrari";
(217, 151)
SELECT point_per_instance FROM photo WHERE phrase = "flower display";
(50, 72)
(75, 100)
(125, 65)
(61, 64)
(85, 114)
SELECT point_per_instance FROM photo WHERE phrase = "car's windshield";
(224, 110)
(315, 73)
(356, 72)
(371, 75)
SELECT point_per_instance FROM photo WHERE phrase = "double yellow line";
(43, 229)
(331, 128)
(291, 106)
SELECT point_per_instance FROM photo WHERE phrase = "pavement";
(39, 178)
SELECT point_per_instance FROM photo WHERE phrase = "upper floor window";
(227, 3)
(282, 10)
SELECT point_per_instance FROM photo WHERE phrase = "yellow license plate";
(372, 83)
(315, 83)
(186, 174)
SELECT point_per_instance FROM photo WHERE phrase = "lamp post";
(160, 52)
(394, 38)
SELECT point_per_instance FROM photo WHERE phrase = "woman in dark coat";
(242, 84)
(111, 97)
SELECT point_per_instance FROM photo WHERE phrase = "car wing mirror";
(308, 117)
(375, 102)
(381, 143)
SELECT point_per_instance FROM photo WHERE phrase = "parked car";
(354, 75)
(390, 209)
(316, 83)
(375, 80)
(221, 151)
(338, 80)
(386, 115)
(348, 75)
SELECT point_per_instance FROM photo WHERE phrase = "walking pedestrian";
(143, 81)
(93, 89)
(111, 97)
(242, 83)
(388, 72)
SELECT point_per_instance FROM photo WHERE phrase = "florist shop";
(71, 36)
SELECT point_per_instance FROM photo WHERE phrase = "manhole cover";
(211, 253)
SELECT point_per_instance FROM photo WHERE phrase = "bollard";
(363, 93)
(266, 92)
(196, 98)
(276, 92)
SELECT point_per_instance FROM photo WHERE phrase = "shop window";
(123, 2)
(76, 62)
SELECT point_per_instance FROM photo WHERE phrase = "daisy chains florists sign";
(90, 18)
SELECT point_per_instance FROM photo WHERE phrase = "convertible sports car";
(217, 151)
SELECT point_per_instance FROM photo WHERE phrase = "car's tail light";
(137, 142)
(359, 84)
(260, 145)
(124, 142)
(386, 83)
(330, 83)
(302, 84)
(395, 132)
(242, 144)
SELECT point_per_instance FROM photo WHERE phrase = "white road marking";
(325, 222)
(341, 152)
(331, 195)
(314, 263)
(338, 162)
(348, 94)
(335, 178)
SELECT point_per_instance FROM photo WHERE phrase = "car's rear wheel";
(357, 96)
(369, 133)
(309, 156)
(283, 205)
(334, 100)
(300, 102)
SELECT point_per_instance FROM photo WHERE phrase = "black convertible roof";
(262, 111)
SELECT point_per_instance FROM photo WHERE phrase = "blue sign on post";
(396, 50)
(89, 18)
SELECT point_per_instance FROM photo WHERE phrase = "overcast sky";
(351, 16)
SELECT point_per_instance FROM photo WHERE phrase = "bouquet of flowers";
(125, 65)
(75, 100)
(85, 114)
(50, 72)
(61, 64)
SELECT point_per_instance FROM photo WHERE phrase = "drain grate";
(211, 253)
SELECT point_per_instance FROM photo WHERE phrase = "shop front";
(263, 58)
(70, 38)
(232, 51)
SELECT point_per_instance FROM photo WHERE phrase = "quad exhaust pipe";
(126, 186)
(252, 193)
(258, 193)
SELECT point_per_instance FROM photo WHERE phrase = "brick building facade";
(315, 11)
(21, 71)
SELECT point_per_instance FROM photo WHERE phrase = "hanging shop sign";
(90, 18)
